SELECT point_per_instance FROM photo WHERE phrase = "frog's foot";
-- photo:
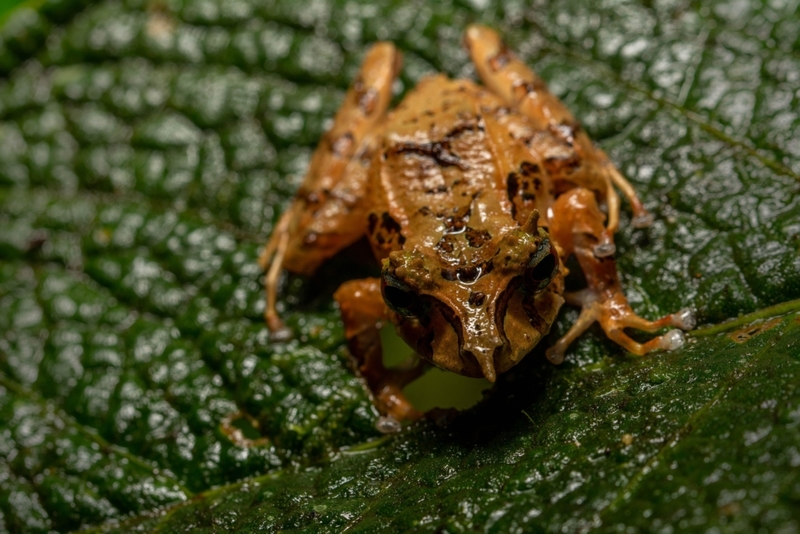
(328, 213)
(364, 312)
(272, 261)
(387, 390)
(614, 315)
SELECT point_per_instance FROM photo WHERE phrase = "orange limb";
(576, 226)
(519, 86)
(364, 313)
(328, 213)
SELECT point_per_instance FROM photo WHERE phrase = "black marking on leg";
(367, 101)
(385, 231)
(501, 59)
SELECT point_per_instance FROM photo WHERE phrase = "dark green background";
(146, 148)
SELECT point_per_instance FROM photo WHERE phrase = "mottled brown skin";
(471, 197)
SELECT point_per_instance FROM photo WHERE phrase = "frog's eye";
(400, 298)
(542, 268)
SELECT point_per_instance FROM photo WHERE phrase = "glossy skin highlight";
(471, 198)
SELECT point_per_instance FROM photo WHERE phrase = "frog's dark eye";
(542, 268)
(400, 298)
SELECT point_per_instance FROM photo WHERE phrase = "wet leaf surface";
(146, 150)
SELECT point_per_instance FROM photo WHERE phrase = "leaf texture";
(146, 150)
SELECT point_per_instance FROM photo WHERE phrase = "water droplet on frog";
(454, 226)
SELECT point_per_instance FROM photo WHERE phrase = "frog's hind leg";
(328, 213)
(576, 226)
(364, 312)
(271, 260)
(508, 77)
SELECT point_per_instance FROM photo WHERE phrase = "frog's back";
(456, 171)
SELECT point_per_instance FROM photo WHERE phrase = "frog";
(472, 198)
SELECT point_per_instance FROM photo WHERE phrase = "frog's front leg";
(364, 312)
(328, 213)
(518, 85)
(576, 225)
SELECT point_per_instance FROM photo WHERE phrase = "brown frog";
(472, 197)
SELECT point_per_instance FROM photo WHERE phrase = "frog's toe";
(555, 355)
(604, 249)
(684, 319)
(280, 333)
(642, 220)
(386, 424)
(672, 340)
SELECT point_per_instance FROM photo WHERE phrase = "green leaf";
(146, 150)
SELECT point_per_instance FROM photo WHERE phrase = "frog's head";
(478, 318)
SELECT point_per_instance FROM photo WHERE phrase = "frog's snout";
(483, 349)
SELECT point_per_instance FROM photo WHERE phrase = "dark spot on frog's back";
(467, 126)
(447, 244)
(476, 299)
(529, 169)
(455, 224)
(476, 238)
(438, 151)
(467, 274)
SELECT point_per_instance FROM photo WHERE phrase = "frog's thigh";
(327, 213)
(519, 86)
(576, 226)
(364, 312)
